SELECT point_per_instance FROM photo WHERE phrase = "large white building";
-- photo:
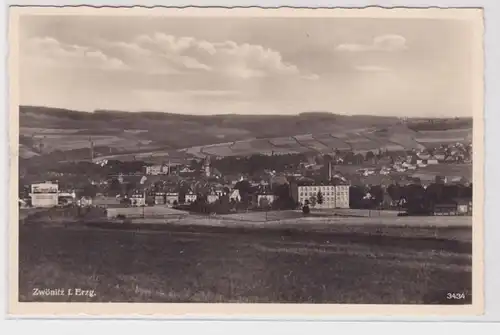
(334, 196)
(44, 194)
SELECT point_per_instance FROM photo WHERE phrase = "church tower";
(206, 167)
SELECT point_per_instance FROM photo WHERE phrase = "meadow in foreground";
(235, 266)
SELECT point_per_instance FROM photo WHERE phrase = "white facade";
(44, 194)
(235, 195)
(190, 197)
(155, 170)
(270, 198)
(138, 200)
(334, 196)
(85, 201)
(211, 198)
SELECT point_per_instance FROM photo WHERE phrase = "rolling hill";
(66, 134)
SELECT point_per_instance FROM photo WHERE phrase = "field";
(359, 142)
(450, 170)
(437, 137)
(229, 265)
(327, 143)
(153, 211)
(162, 134)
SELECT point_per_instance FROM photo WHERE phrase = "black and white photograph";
(251, 157)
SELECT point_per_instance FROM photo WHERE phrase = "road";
(241, 266)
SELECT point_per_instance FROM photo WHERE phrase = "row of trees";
(257, 163)
(413, 196)
(281, 192)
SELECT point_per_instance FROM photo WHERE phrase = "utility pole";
(41, 146)
(91, 149)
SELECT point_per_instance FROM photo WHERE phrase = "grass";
(204, 265)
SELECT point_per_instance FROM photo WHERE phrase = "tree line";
(412, 197)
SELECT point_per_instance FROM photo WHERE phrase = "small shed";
(445, 209)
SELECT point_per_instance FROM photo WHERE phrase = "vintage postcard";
(246, 161)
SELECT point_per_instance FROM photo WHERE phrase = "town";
(413, 182)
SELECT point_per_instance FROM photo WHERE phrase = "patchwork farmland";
(161, 135)
(326, 143)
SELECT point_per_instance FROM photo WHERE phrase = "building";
(190, 197)
(106, 202)
(456, 179)
(186, 170)
(439, 157)
(334, 196)
(212, 197)
(138, 199)
(234, 195)
(458, 206)
(85, 201)
(66, 198)
(160, 198)
(265, 198)
(464, 206)
(445, 209)
(44, 194)
(172, 198)
(155, 170)
(432, 161)
(206, 167)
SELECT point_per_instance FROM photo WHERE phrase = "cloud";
(162, 54)
(49, 52)
(372, 68)
(387, 43)
(228, 58)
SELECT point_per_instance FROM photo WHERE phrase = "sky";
(210, 65)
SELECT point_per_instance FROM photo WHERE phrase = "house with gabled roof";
(439, 157)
